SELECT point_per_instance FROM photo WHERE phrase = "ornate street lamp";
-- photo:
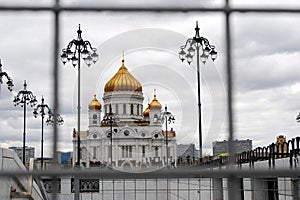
(110, 118)
(9, 82)
(23, 98)
(40, 109)
(77, 49)
(167, 117)
(198, 44)
(298, 118)
(50, 120)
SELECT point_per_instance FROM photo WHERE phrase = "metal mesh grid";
(232, 175)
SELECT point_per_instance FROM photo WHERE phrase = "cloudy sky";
(266, 60)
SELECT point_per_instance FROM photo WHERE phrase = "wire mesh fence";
(187, 183)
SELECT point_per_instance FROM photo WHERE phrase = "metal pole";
(167, 152)
(111, 141)
(199, 103)
(78, 107)
(55, 94)
(77, 181)
(77, 186)
(24, 133)
(42, 140)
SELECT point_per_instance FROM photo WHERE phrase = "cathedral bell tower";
(94, 112)
(155, 111)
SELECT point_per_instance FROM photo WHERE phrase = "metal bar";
(24, 134)
(189, 189)
(78, 111)
(186, 173)
(134, 189)
(167, 153)
(55, 95)
(124, 190)
(156, 189)
(199, 102)
(232, 189)
(149, 8)
(42, 141)
(113, 189)
(145, 189)
(229, 88)
(177, 188)
(199, 188)
(102, 189)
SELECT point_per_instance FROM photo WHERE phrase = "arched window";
(123, 151)
(156, 152)
(131, 109)
(94, 119)
(143, 150)
(124, 109)
(126, 151)
(130, 151)
(155, 118)
(117, 108)
(94, 152)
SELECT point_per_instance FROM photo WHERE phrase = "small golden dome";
(170, 133)
(123, 81)
(155, 103)
(146, 111)
(95, 104)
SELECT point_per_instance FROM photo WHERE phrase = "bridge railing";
(288, 149)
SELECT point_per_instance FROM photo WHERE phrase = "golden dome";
(123, 81)
(170, 133)
(95, 104)
(155, 103)
(146, 111)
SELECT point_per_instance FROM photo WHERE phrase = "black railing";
(270, 153)
(289, 149)
(86, 185)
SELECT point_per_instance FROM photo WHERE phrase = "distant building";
(239, 146)
(29, 153)
(64, 159)
(186, 153)
(281, 142)
(47, 163)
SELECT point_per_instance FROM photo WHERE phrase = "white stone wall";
(9, 161)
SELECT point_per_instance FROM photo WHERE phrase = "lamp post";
(197, 44)
(9, 82)
(23, 98)
(110, 118)
(40, 109)
(50, 120)
(167, 117)
(77, 49)
(298, 118)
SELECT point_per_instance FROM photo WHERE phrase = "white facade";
(138, 138)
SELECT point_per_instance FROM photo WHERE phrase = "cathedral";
(138, 141)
